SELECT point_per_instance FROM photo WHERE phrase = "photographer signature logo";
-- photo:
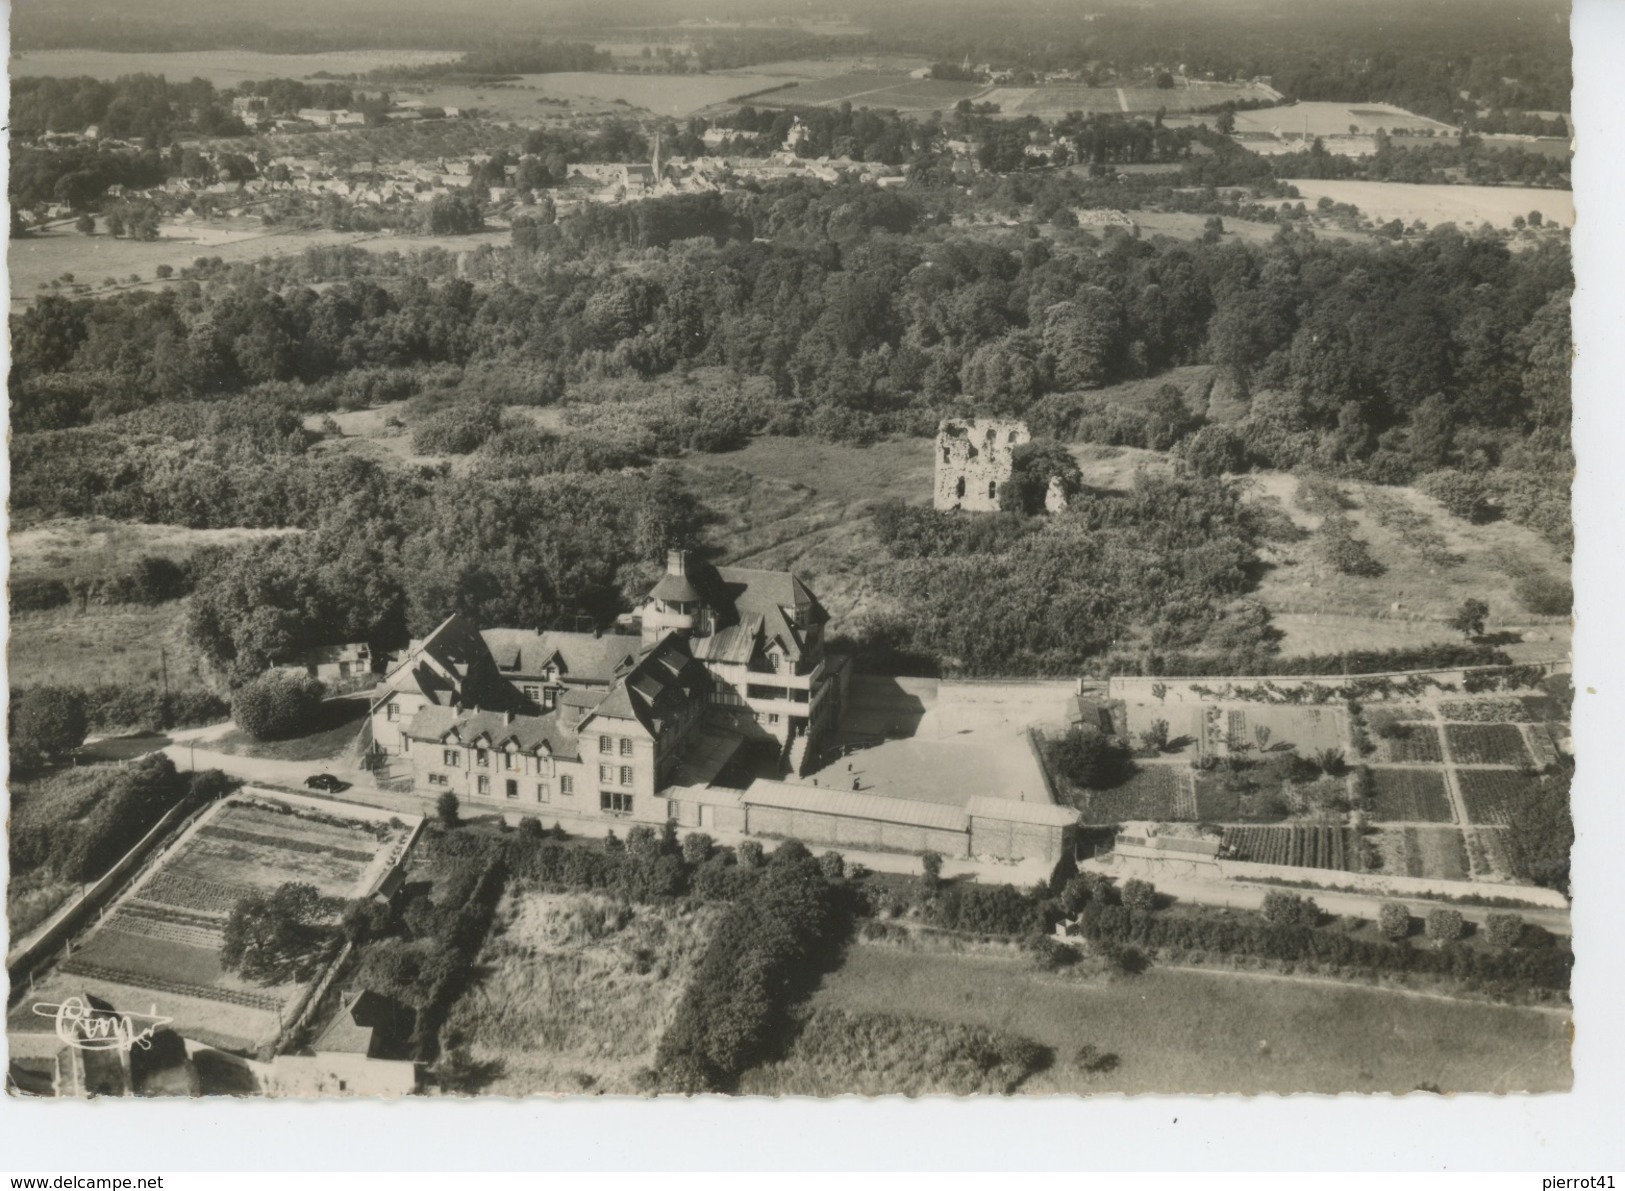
(85, 1027)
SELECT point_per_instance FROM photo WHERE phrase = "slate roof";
(583, 657)
(354, 1030)
(450, 666)
(759, 606)
(528, 732)
(656, 689)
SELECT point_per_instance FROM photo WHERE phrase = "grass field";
(1486, 744)
(105, 644)
(575, 989)
(797, 503)
(1323, 611)
(1409, 796)
(1210, 1032)
(873, 89)
(1334, 119)
(1442, 203)
(93, 547)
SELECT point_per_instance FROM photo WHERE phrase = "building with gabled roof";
(760, 636)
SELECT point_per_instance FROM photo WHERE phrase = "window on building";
(626, 775)
(510, 761)
(615, 802)
(626, 748)
(992, 489)
(392, 712)
(533, 692)
(567, 785)
(549, 699)
(959, 486)
(482, 758)
(543, 792)
(606, 744)
(511, 789)
(484, 785)
(452, 758)
(606, 774)
(438, 779)
(772, 717)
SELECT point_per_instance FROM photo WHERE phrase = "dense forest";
(854, 313)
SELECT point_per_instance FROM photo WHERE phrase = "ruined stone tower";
(973, 461)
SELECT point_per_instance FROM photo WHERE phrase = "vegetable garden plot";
(192, 893)
(1485, 711)
(1151, 793)
(1491, 794)
(1487, 744)
(1409, 795)
(1297, 846)
(1420, 743)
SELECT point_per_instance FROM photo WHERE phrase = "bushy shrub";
(1394, 920)
(1504, 930)
(1344, 552)
(36, 595)
(767, 948)
(1288, 909)
(448, 810)
(46, 722)
(1545, 595)
(1139, 895)
(278, 705)
(460, 429)
(1445, 926)
(1461, 493)
(1087, 757)
(697, 846)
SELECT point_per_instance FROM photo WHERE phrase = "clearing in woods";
(1200, 1032)
(1436, 203)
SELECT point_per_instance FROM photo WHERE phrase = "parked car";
(326, 781)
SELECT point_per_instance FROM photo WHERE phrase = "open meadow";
(1442, 203)
(1430, 558)
(1200, 1032)
(1324, 119)
(117, 643)
(574, 991)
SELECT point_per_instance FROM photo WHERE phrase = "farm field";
(1486, 744)
(40, 258)
(1057, 99)
(161, 943)
(223, 68)
(1547, 146)
(1435, 852)
(1297, 846)
(1198, 1032)
(1305, 730)
(663, 94)
(1335, 119)
(575, 990)
(873, 89)
(1409, 796)
(1491, 794)
(1443, 202)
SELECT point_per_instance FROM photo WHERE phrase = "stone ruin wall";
(973, 461)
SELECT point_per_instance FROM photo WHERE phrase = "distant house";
(338, 664)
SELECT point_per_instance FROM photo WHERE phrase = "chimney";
(677, 562)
